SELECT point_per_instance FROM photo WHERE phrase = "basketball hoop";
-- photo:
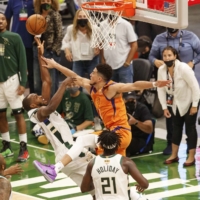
(103, 17)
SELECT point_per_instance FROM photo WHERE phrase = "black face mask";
(145, 55)
(45, 6)
(130, 107)
(172, 30)
(169, 63)
(82, 22)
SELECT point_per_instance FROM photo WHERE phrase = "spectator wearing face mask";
(183, 97)
(187, 45)
(77, 109)
(140, 120)
(53, 36)
(77, 45)
(144, 46)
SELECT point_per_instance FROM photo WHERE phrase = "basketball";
(36, 24)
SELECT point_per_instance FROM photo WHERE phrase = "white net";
(103, 24)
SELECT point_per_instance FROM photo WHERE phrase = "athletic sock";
(23, 137)
(6, 136)
(58, 166)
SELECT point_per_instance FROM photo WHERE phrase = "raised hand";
(15, 169)
(20, 90)
(49, 63)
(163, 83)
(39, 45)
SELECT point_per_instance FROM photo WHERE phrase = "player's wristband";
(154, 84)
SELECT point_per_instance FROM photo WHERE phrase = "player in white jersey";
(5, 186)
(41, 110)
(109, 171)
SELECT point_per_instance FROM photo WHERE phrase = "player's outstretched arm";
(44, 111)
(138, 85)
(142, 182)
(44, 72)
(87, 182)
(51, 63)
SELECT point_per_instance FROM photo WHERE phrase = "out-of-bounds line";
(150, 154)
(33, 146)
(17, 195)
(12, 122)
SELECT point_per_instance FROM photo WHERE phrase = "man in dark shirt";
(141, 123)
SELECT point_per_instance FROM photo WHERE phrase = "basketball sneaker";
(47, 170)
(23, 152)
(6, 151)
(97, 124)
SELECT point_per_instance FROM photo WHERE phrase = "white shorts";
(8, 93)
(76, 170)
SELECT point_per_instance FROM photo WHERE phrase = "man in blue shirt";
(20, 10)
(188, 46)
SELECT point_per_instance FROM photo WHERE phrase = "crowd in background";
(134, 40)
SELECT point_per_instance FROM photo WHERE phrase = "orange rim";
(109, 5)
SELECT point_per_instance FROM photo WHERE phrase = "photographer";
(142, 127)
(183, 98)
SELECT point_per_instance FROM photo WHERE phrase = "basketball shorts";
(8, 93)
(75, 169)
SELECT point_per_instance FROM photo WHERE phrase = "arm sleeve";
(9, 11)
(58, 32)
(190, 79)
(89, 140)
(155, 51)
(67, 38)
(22, 64)
(162, 92)
(196, 48)
(131, 36)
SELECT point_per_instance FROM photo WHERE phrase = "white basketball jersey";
(109, 179)
(11, 188)
(57, 131)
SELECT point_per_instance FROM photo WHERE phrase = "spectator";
(12, 86)
(77, 109)
(120, 59)
(111, 166)
(187, 45)
(5, 186)
(53, 39)
(184, 84)
(144, 46)
(140, 120)
(76, 45)
(20, 10)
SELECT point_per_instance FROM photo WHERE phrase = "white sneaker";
(97, 125)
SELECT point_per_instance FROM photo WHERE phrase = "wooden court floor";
(172, 182)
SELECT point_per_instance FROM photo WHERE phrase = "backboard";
(169, 13)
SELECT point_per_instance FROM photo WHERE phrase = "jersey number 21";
(108, 185)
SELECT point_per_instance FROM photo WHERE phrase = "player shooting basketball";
(42, 110)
